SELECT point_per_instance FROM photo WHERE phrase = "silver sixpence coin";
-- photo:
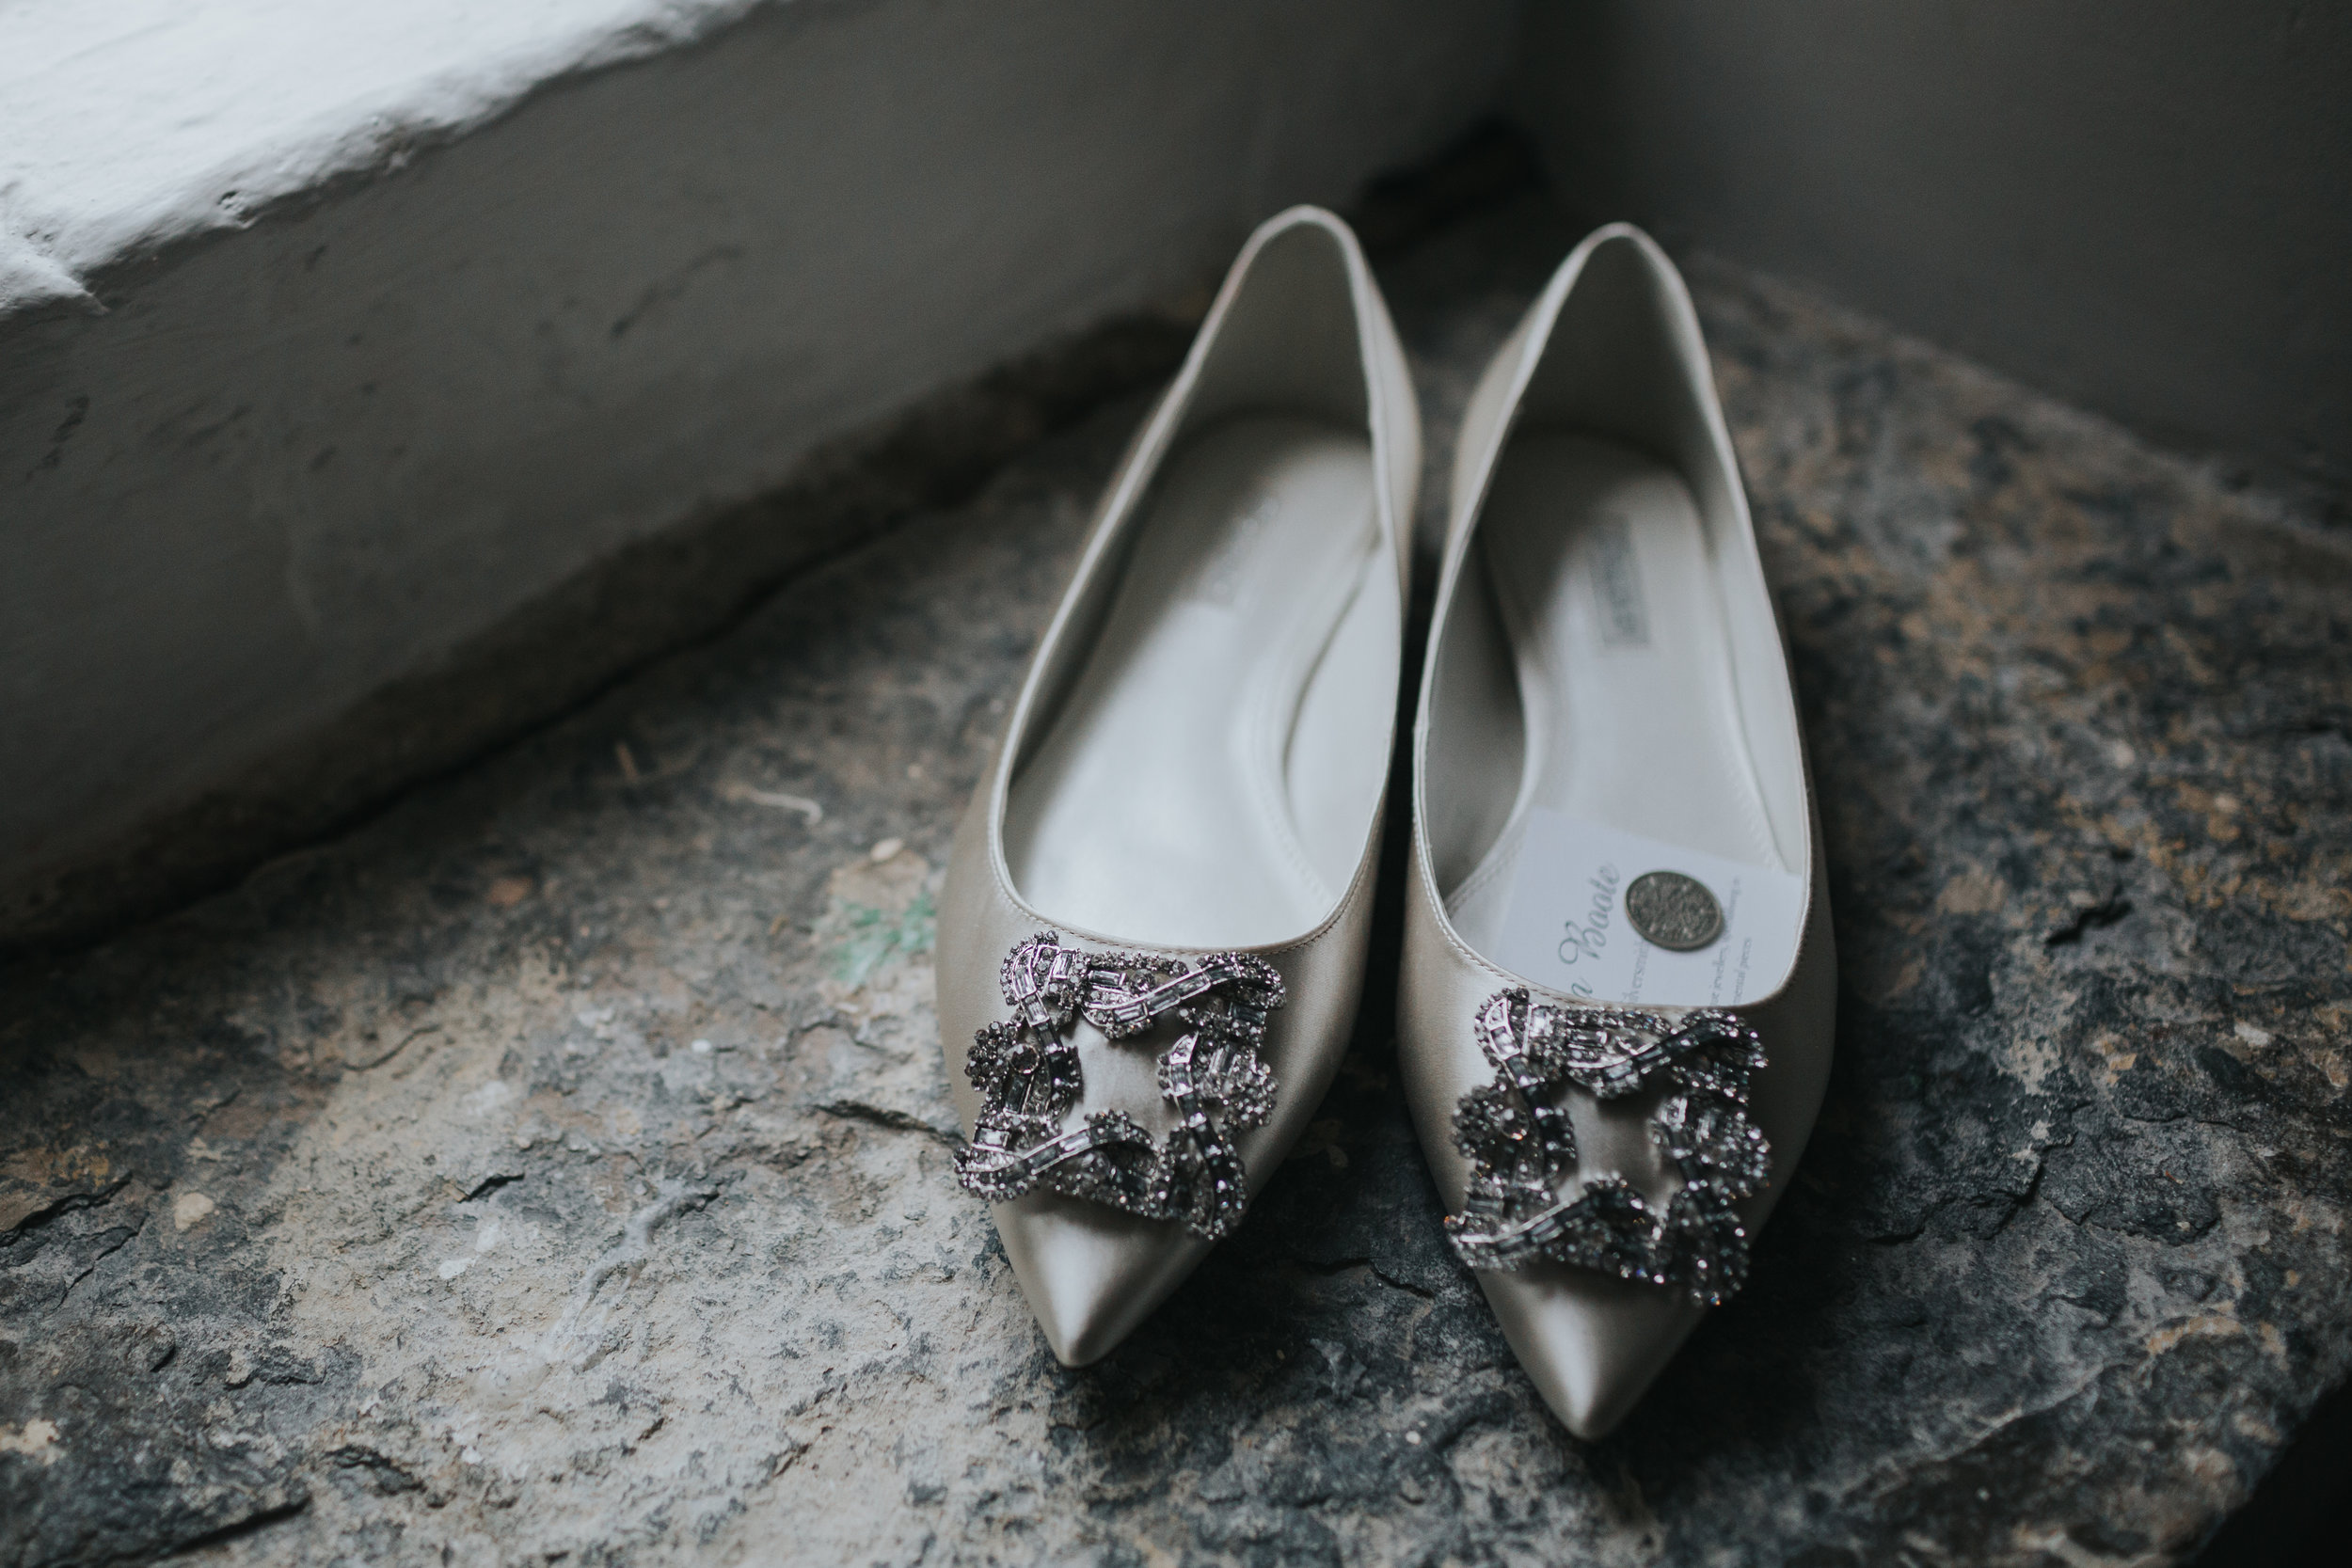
(1673, 910)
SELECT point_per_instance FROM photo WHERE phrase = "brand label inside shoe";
(1616, 579)
(1567, 925)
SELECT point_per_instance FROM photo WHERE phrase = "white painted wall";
(127, 125)
(330, 336)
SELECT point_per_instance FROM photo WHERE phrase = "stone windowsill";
(558, 1167)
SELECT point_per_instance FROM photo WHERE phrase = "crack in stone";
(252, 1523)
(2015, 1204)
(70, 1204)
(1395, 1283)
(2002, 1424)
(387, 1474)
(883, 1117)
(2024, 1199)
(364, 1065)
(2336, 725)
(1330, 1267)
(128, 1233)
(2097, 917)
(491, 1183)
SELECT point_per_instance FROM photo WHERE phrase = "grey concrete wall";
(2145, 205)
(293, 462)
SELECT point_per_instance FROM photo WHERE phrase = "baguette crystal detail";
(1027, 1072)
(1523, 1147)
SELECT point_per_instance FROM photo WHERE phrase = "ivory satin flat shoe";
(1152, 937)
(1618, 997)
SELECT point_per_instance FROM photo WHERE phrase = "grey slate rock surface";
(556, 1169)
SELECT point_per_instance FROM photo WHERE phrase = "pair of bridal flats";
(1614, 1010)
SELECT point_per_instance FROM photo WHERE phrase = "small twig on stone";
(732, 790)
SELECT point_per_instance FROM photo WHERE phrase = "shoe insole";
(1210, 776)
(1612, 608)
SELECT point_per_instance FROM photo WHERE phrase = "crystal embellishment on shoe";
(1027, 1071)
(1523, 1147)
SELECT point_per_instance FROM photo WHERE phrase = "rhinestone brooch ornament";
(1027, 1072)
(1522, 1148)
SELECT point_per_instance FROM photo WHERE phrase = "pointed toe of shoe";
(1591, 1344)
(1091, 1275)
